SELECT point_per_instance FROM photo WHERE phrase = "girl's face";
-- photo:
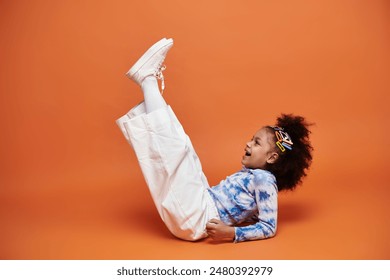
(260, 151)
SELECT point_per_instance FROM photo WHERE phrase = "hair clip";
(287, 146)
(280, 146)
(283, 139)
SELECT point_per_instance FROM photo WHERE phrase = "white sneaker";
(151, 63)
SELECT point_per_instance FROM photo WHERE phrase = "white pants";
(172, 170)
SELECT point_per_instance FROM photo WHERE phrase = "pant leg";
(136, 111)
(172, 171)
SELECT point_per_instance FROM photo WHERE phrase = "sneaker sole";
(147, 55)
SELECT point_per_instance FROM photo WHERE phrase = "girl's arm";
(267, 203)
(266, 199)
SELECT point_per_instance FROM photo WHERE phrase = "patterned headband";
(283, 139)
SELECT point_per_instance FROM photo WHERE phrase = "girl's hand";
(217, 230)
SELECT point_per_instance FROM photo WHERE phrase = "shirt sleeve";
(267, 203)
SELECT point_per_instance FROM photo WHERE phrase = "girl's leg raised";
(171, 167)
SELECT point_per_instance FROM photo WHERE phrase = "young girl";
(243, 206)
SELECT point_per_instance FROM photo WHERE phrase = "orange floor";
(70, 184)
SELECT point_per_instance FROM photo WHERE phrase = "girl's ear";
(272, 157)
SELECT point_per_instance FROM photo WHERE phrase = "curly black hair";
(292, 165)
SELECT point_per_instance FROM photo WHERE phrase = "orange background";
(71, 187)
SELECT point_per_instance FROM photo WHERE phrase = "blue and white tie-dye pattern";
(249, 196)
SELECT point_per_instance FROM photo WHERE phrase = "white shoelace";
(159, 75)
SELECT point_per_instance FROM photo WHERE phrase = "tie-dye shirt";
(249, 196)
